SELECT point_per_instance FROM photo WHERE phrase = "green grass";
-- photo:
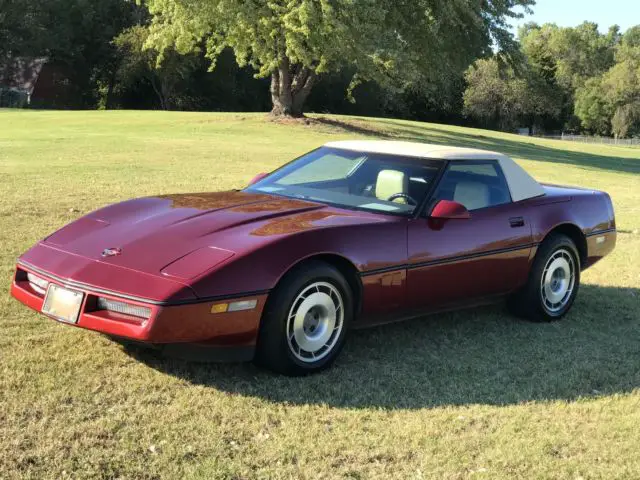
(472, 394)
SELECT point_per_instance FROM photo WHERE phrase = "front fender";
(367, 247)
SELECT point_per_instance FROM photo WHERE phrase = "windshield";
(351, 179)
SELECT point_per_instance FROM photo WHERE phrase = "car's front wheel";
(305, 321)
(553, 281)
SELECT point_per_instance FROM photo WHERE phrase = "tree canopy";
(569, 78)
(293, 41)
(569, 55)
(435, 60)
(499, 95)
(610, 102)
(75, 35)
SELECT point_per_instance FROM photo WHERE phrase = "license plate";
(62, 303)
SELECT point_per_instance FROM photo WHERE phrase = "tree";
(615, 93)
(566, 58)
(294, 41)
(507, 98)
(592, 107)
(485, 93)
(138, 62)
(629, 47)
(74, 35)
(569, 55)
(626, 121)
(19, 20)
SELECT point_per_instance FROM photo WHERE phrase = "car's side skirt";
(413, 315)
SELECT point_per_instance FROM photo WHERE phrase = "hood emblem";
(111, 252)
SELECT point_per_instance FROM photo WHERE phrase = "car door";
(458, 261)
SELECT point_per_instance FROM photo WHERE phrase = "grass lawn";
(472, 394)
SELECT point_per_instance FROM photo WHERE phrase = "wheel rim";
(558, 281)
(315, 322)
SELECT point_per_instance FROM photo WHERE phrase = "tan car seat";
(390, 182)
(472, 195)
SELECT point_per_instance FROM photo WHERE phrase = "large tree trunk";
(290, 87)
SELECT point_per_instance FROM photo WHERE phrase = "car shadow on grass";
(481, 356)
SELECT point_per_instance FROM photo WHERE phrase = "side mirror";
(446, 209)
(257, 178)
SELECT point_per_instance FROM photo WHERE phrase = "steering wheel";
(409, 200)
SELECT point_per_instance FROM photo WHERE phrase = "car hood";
(149, 234)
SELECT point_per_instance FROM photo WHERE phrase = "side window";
(475, 184)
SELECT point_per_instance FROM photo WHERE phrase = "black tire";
(276, 349)
(530, 302)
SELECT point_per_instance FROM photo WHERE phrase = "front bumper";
(178, 328)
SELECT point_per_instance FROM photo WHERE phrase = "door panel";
(455, 261)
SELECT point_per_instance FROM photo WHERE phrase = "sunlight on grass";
(467, 394)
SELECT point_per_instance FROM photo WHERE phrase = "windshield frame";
(439, 164)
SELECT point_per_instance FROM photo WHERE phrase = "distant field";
(473, 394)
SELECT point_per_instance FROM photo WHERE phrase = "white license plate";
(62, 303)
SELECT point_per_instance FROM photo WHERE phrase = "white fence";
(623, 142)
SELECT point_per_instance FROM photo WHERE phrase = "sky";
(569, 13)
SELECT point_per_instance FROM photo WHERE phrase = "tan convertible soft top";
(521, 184)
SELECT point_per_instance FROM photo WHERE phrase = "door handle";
(516, 222)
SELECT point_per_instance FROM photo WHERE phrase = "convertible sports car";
(352, 234)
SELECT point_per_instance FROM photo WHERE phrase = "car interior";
(371, 177)
(407, 182)
(350, 178)
(474, 190)
(474, 186)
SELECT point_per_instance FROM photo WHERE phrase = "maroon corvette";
(354, 233)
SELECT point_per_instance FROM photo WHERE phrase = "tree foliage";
(500, 96)
(365, 57)
(75, 36)
(626, 121)
(615, 94)
(570, 78)
(138, 62)
(569, 55)
(293, 41)
(592, 107)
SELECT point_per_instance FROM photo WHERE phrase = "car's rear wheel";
(553, 281)
(305, 321)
